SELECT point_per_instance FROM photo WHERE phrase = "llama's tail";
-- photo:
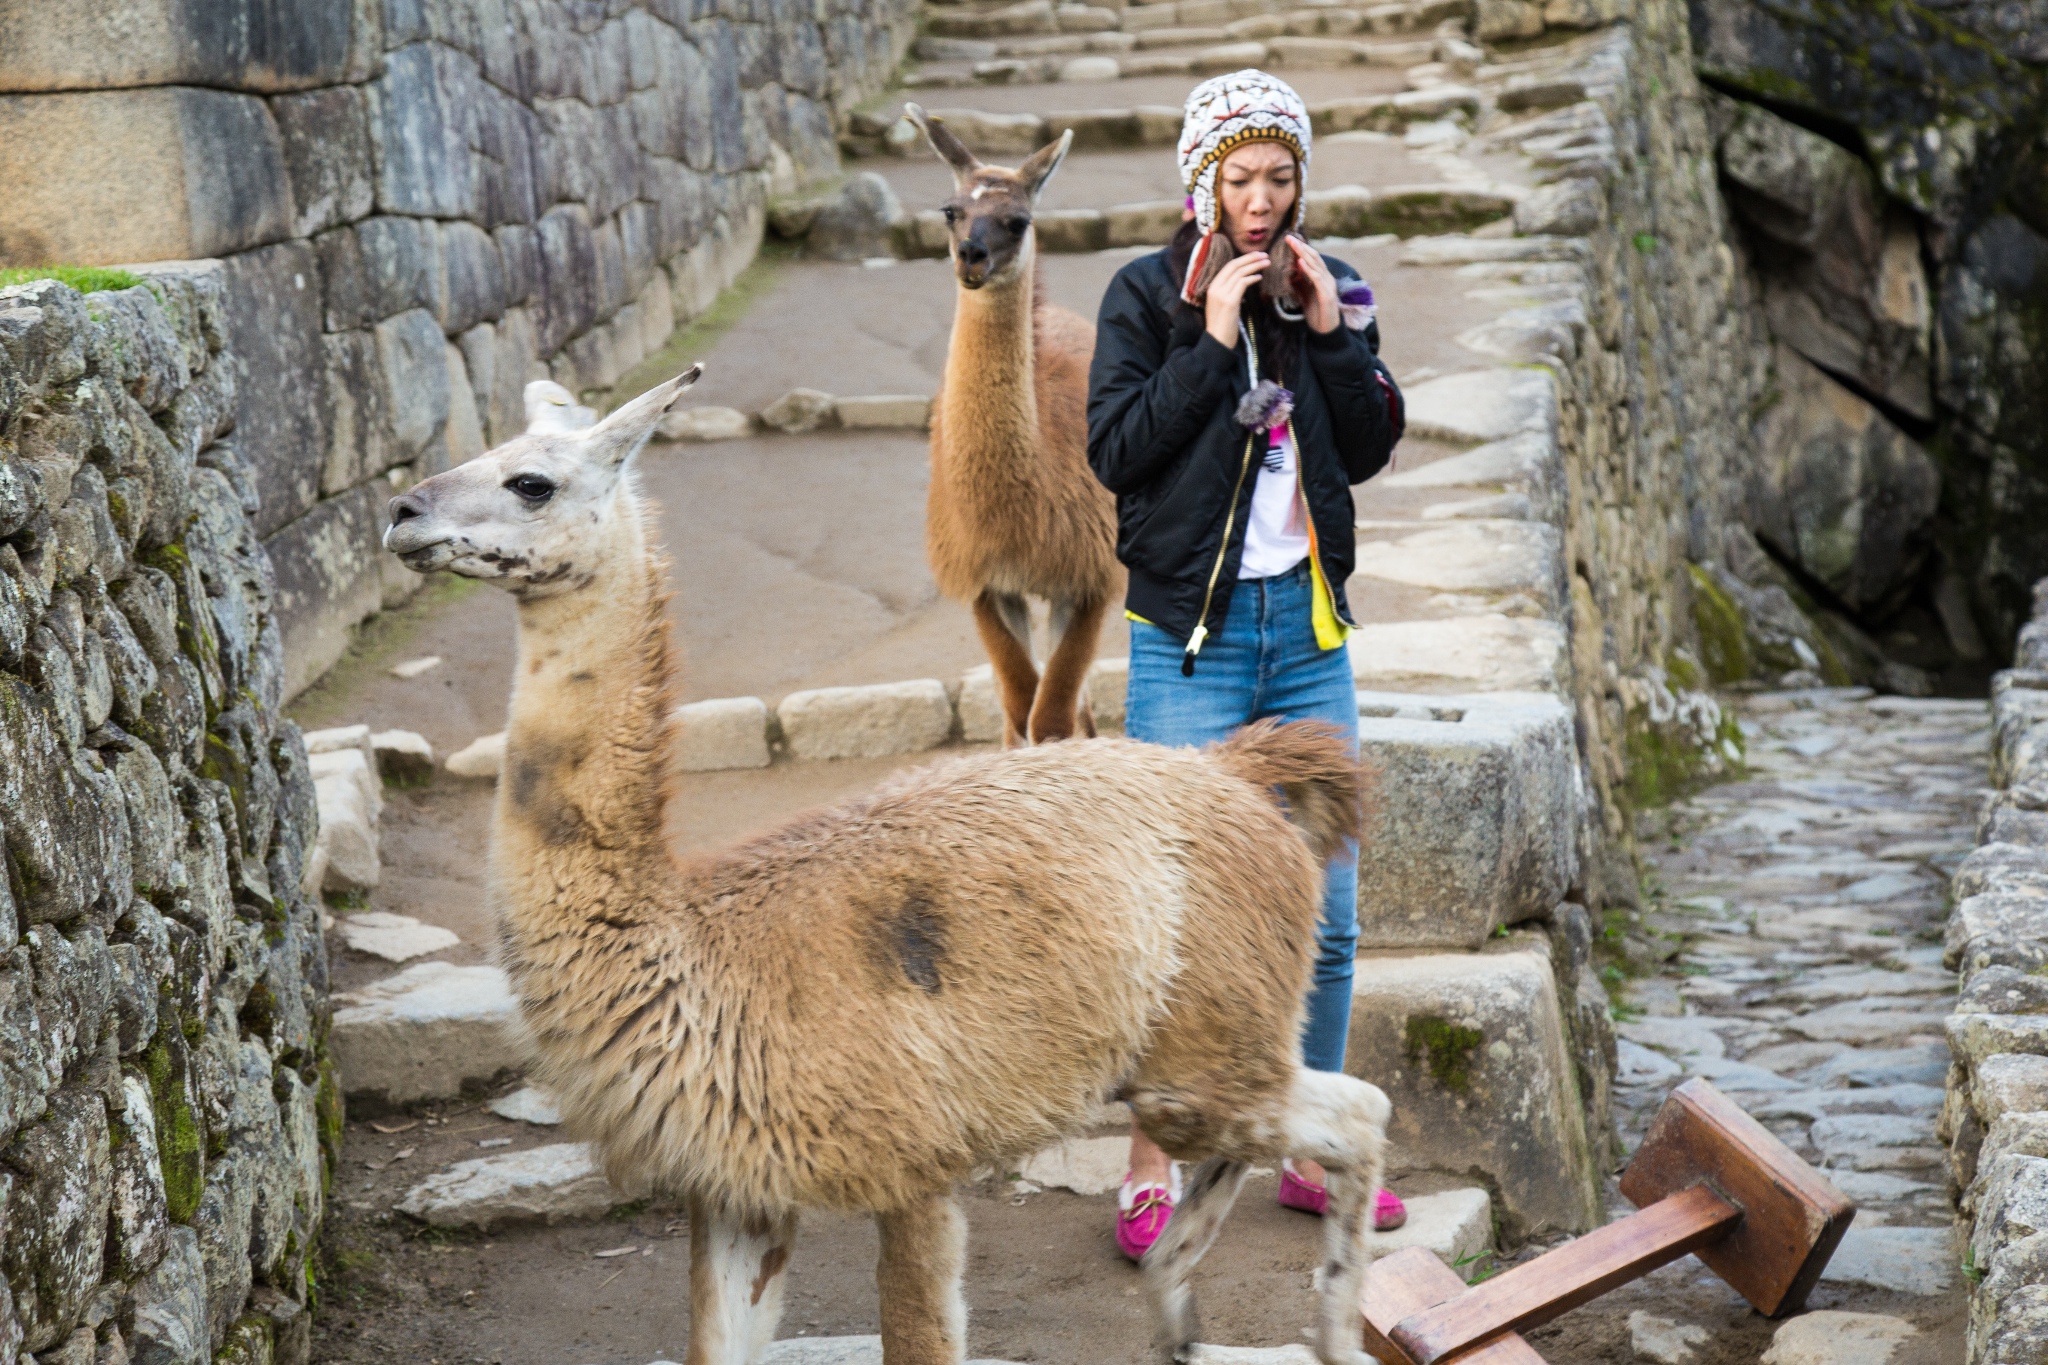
(1311, 764)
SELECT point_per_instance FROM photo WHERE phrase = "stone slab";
(714, 736)
(1471, 1050)
(1489, 652)
(1482, 405)
(1491, 556)
(1471, 824)
(482, 757)
(1082, 1165)
(1662, 1341)
(554, 1184)
(867, 722)
(528, 1104)
(403, 756)
(1455, 1224)
(395, 938)
(886, 411)
(421, 1033)
(1829, 1337)
(1902, 1260)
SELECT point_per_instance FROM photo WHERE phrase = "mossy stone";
(1447, 1048)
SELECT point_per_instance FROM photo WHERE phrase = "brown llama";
(1014, 511)
(859, 1009)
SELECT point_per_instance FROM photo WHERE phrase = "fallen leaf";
(395, 1127)
(615, 1251)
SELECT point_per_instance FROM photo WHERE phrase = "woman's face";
(1255, 191)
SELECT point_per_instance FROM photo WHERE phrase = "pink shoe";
(1388, 1212)
(1142, 1212)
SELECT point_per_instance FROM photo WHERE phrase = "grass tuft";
(86, 279)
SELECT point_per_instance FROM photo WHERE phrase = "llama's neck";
(580, 802)
(989, 401)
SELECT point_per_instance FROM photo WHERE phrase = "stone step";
(1107, 57)
(1235, 18)
(1455, 1224)
(1459, 1041)
(887, 133)
(421, 1033)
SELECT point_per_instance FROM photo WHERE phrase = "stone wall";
(1996, 1118)
(166, 1112)
(420, 205)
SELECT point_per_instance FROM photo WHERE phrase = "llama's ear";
(1034, 173)
(951, 149)
(611, 441)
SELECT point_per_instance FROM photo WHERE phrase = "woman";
(1235, 396)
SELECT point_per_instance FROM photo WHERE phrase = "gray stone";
(271, 305)
(1470, 826)
(327, 580)
(421, 1033)
(169, 1307)
(727, 733)
(1838, 489)
(1661, 1340)
(105, 176)
(395, 938)
(866, 722)
(854, 222)
(1488, 651)
(474, 278)
(1842, 281)
(418, 109)
(1829, 1337)
(140, 1227)
(1901, 1260)
(529, 1104)
(801, 410)
(551, 1184)
(57, 1215)
(840, 1351)
(1482, 405)
(1456, 1040)
(2003, 990)
(1873, 1141)
(327, 156)
(1566, 208)
(240, 44)
(1997, 928)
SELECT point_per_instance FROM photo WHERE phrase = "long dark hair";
(1280, 339)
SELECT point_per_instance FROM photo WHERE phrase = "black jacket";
(1163, 437)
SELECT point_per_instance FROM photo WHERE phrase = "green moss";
(86, 279)
(180, 1142)
(251, 1341)
(1646, 242)
(1447, 1047)
(1724, 640)
(329, 1111)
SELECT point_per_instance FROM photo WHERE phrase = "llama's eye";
(1018, 225)
(531, 487)
(952, 215)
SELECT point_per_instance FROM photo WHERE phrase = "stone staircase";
(1478, 998)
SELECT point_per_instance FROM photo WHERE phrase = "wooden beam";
(1411, 1280)
(1536, 1291)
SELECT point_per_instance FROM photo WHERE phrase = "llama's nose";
(972, 252)
(405, 507)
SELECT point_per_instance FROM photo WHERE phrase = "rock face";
(1840, 491)
(167, 1088)
(418, 211)
(1844, 286)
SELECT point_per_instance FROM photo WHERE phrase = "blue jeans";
(1264, 662)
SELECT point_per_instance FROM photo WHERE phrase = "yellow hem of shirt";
(1330, 628)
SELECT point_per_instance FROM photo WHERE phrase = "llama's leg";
(1205, 1203)
(1004, 623)
(924, 1257)
(736, 1284)
(1059, 707)
(1341, 1122)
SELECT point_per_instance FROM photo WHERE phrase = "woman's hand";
(1226, 295)
(1316, 286)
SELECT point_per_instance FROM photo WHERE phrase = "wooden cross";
(1709, 1180)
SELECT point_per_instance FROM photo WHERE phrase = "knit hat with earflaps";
(1222, 115)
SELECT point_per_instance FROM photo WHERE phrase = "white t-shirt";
(1277, 537)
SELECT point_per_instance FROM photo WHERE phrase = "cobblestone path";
(1801, 912)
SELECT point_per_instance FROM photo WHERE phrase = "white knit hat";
(1224, 114)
